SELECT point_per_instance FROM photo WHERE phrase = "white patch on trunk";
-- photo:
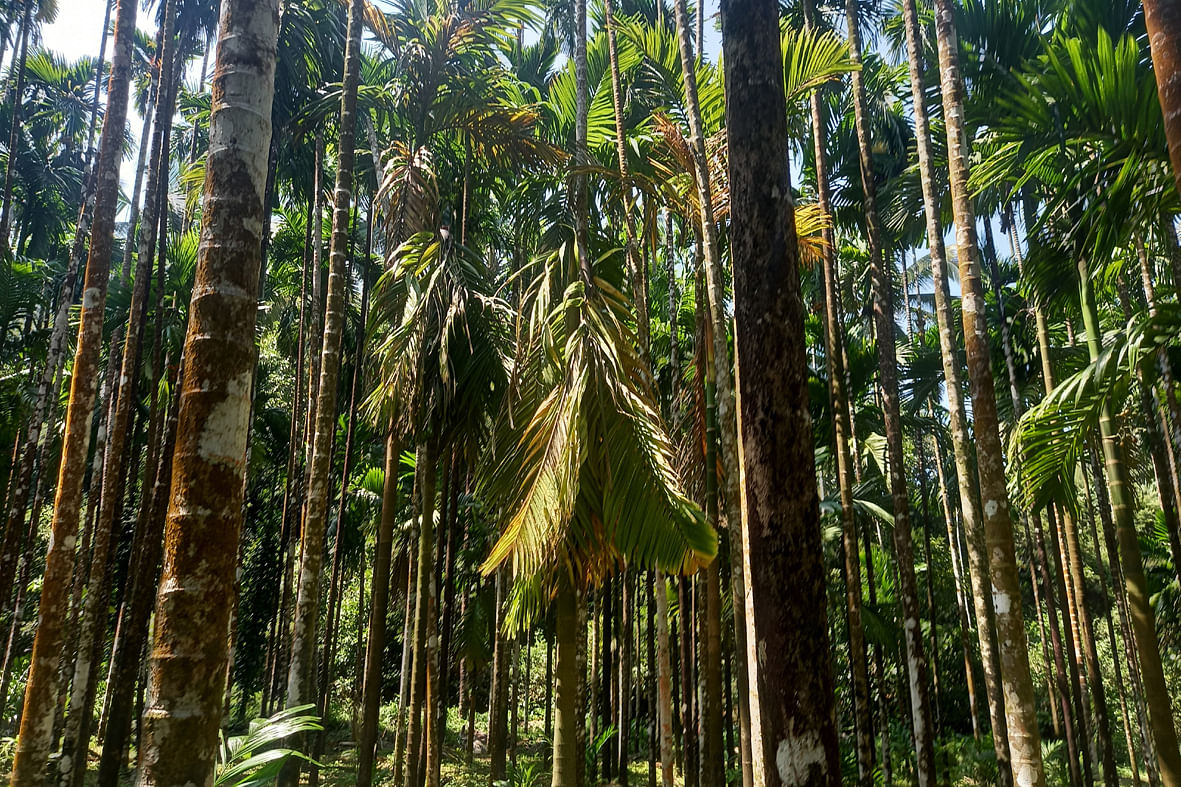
(797, 754)
(1026, 776)
(90, 298)
(224, 436)
(990, 508)
(1001, 600)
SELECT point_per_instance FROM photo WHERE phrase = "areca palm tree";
(180, 734)
(599, 490)
(301, 668)
(41, 688)
(1071, 226)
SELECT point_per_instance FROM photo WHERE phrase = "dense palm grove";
(491, 392)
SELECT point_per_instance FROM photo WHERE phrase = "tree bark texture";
(783, 559)
(183, 709)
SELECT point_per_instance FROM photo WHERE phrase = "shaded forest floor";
(961, 760)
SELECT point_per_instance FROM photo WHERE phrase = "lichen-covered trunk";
(842, 429)
(725, 392)
(301, 670)
(183, 708)
(1119, 489)
(979, 575)
(75, 743)
(1020, 711)
(883, 312)
(132, 631)
(375, 644)
(36, 729)
(783, 560)
(21, 482)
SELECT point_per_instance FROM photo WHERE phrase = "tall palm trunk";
(1072, 562)
(567, 758)
(664, 689)
(94, 618)
(961, 443)
(1020, 710)
(713, 766)
(18, 89)
(883, 309)
(404, 671)
(724, 387)
(1119, 489)
(375, 644)
(301, 670)
(498, 691)
(783, 559)
(132, 631)
(22, 480)
(145, 144)
(842, 429)
(420, 735)
(36, 731)
(183, 709)
(1163, 20)
(634, 264)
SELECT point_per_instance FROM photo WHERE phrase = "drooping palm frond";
(586, 477)
(409, 193)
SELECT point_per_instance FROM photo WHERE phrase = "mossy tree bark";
(41, 689)
(183, 710)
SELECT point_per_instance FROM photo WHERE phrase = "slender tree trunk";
(1021, 716)
(498, 693)
(1106, 576)
(94, 617)
(23, 480)
(969, 499)
(567, 755)
(301, 671)
(724, 386)
(664, 682)
(375, 644)
(634, 263)
(688, 704)
(783, 564)
(36, 730)
(16, 103)
(916, 660)
(842, 428)
(335, 590)
(710, 676)
(132, 631)
(404, 672)
(1119, 488)
(183, 710)
(145, 144)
